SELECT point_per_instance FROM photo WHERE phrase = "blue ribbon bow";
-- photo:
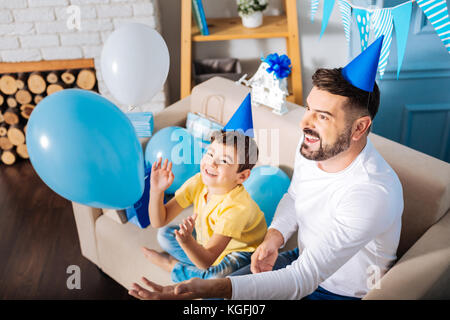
(279, 65)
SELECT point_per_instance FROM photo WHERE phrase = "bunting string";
(383, 20)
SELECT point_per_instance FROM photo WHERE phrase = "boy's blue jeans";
(286, 258)
(185, 269)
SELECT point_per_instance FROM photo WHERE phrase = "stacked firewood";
(21, 92)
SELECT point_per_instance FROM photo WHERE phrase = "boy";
(229, 225)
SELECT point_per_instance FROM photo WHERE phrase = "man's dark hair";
(245, 146)
(361, 103)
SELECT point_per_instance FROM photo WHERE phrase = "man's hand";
(264, 257)
(162, 176)
(186, 228)
(190, 289)
(158, 292)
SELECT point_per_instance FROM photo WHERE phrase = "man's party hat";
(242, 118)
(362, 70)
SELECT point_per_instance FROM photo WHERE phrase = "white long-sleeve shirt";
(348, 226)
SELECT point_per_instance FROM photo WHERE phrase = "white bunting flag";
(437, 12)
(346, 14)
(314, 6)
(382, 25)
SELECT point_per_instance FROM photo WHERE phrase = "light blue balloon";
(178, 146)
(86, 150)
(267, 185)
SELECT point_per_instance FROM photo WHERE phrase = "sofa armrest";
(85, 217)
(119, 216)
(424, 270)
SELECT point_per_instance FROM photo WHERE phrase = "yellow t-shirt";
(234, 214)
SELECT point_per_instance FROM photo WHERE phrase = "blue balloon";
(267, 185)
(178, 146)
(86, 150)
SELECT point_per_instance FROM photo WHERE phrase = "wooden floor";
(38, 241)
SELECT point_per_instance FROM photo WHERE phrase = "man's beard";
(326, 152)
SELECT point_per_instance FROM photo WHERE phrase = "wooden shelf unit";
(222, 29)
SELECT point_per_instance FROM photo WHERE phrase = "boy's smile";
(210, 173)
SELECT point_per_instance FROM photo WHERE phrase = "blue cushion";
(138, 213)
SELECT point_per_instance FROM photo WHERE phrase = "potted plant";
(251, 12)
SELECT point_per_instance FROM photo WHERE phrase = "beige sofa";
(423, 268)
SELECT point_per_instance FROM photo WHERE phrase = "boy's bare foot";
(161, 259)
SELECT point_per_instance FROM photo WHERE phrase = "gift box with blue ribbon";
(202, 128)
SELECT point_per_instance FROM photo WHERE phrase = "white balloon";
(135, 62)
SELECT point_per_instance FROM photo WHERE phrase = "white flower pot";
(253, 20)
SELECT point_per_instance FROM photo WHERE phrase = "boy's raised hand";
(186, 229)
(162, 176)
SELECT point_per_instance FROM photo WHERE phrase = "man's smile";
(310, 139)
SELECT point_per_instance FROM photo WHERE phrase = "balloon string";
(131, 108)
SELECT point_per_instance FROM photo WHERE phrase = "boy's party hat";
(242, 118)
(362, 70)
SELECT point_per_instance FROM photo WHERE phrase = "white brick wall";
(47, 3)
(143, 9)
(60, 53)
(80, 38)
(6, 16)
(14, 29)
(97, 25)
(33, 14)
(8, 4)
(146, 20)
(33, 30)
(21, 55)
(9, 43)
(114, 10)
(43, 40)
(86, 13)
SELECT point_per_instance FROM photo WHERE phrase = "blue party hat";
(362, 70)
(242, 118)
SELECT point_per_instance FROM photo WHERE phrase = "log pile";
(21, 92)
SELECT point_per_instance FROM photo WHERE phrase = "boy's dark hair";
(245, 146)
(361, 103)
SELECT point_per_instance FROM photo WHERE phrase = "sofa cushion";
(118, 216)
(426, 188)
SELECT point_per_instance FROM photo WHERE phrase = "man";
(344, 200)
